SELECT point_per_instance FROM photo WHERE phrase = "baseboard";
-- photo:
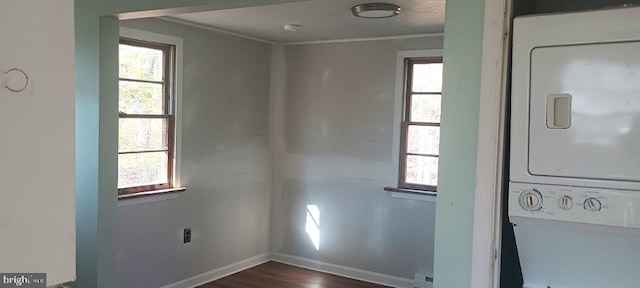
(339, 270)
(344, 271)
(220, 272)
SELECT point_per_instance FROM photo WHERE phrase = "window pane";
(141, 98)
(142, 134)
(141, 63)
(141, 169)
(423, 139)
(427, 77)
(425, 108)
(422, 170)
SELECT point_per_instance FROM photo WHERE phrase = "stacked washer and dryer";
(574, 191)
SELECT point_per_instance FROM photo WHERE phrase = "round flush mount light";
(292, 27)
(375, 10)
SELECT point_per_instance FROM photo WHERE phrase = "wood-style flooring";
(278, 275)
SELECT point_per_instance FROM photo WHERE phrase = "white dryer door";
(584, 118)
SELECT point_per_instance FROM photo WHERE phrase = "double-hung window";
(420, 131)
(146, 146)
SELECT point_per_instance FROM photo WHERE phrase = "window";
(420, 127)
(146, 144)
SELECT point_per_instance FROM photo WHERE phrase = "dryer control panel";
(575, 204)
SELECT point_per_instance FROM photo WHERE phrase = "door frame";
(485, 268)
(487, 226)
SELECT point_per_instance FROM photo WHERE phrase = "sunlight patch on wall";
(313, 225)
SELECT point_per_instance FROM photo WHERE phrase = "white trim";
(211, 28)
(344, 271)
(425, 35)
(179, 43)
(220, 272)
(487, 226)
(147, 199)
(398, 105)
(348, 272)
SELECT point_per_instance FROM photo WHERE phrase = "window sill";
(412, 194)
(149, 196)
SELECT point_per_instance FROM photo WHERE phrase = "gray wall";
(333, 131)
(37, 209)
(225, 166)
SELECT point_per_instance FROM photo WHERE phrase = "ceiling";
(322, 20)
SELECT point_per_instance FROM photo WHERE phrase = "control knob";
(592, 204)
(565, 202)
(531, 200)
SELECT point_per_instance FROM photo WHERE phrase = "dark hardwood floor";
(278, 275)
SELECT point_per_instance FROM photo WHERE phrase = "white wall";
(225, 166)
(37, 207)
(332, 129)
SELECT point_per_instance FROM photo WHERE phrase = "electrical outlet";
(186, 235)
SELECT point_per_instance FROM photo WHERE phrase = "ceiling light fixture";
(375, 10)
(292, 27)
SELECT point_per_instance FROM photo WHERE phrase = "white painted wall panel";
(225, 166)
(333, 110)
(37, 158)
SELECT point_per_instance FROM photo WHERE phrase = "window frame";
(172, 77)
(400, 110)
(406, 122)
